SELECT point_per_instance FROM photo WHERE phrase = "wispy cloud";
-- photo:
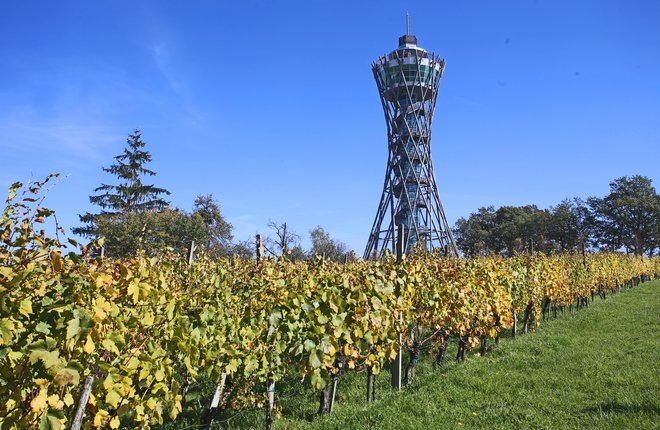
(164, 56)
(62, 107)
(67, 136)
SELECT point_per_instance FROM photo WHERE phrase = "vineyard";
(87, 342)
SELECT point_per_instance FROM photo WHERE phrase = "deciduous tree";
(285, 239)
(323, 244)
(219, 238)
(628, 217)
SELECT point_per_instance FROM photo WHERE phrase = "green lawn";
(596, 368)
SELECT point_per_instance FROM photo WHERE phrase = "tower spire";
(407, 23)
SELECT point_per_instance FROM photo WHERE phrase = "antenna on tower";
(407, 24)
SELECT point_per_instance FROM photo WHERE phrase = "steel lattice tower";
(408, 80)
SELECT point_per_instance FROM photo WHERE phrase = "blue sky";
(272, 107)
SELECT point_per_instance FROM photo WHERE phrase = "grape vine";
(140, 329)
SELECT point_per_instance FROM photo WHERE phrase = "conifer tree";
(130, 195)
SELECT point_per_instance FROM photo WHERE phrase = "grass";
(597, 368)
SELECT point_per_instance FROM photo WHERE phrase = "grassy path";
(597, 368)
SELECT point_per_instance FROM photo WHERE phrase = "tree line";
(136, 216)
(626, 219)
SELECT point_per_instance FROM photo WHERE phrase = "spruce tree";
(130, 195)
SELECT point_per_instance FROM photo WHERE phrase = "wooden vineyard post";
(206, 422)
(82, 403)
(218, 392)
(270, 384)
(270, 391)
(186, 382)
(191, 252)
(334, 379)
(207, 419)
(77, 422)
(515, 324)
(397, 363)
(259, 248)
(270, 404)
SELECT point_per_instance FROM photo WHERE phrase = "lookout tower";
(408, 80)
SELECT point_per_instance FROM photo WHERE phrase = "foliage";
(474, 234)
(569, 225)
(169, 229)
(151, 232)
(324, 245)
(507, 230)
(242, 249)
(629, 216)
(130, 195)
(604, 375)
(286, 242)
(134, 217)
(219, 230)
(138, 326)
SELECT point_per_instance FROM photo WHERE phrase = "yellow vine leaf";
(89, 345)
(55, 402)
(56, 260)
(40, 402)
(114, 422)
(26, 307)
(100, 418)
(103, 279)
